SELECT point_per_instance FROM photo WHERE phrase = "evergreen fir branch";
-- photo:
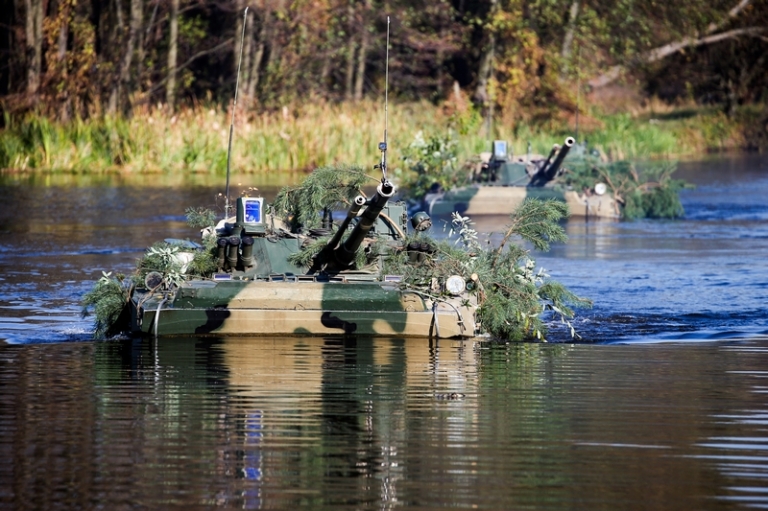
(536, 221)
(200, 218)
(326, 188)
(314, 248)
(205, 261)
(109, 300)
(304, 257)
(562, 298)
(203, 264)
(647, 192)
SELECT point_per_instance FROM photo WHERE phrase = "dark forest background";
(526, 59)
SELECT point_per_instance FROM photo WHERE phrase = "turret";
(548, 171)
(337, 257)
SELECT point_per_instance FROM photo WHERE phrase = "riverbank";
(317, 134)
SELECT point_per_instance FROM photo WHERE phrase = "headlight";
(600, 188)
(455, 285)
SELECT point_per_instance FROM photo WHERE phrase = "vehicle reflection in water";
(349, 408)
(593, 239)
(321, 415)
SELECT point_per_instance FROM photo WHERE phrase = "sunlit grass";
(294, 140)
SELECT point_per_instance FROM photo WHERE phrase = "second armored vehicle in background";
(502, 181)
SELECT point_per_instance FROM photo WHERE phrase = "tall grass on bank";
(196, 139)
(319, 134)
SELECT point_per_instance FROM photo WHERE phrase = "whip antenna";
(383, 145)
(234, 107)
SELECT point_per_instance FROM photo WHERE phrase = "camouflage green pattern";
(481, 199)
(301, 306)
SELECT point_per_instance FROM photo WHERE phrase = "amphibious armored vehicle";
(502, 182)
(256, 289)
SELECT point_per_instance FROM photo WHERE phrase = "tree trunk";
(236, 50)
(351, 47)
(485, 69)
(61, 55)
(440, 68)
(362, 54)
(325, 72)
(61, 50)
(247, 51)
(34, 50)
(257, 53)
(360, 73)
(137, 17)
(142, 44)
(271, 34)
(122, 88)
(119, 16)
(568, 39)
(173, 46)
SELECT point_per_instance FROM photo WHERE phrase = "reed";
(298, 139)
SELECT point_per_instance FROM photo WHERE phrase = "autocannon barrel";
(552, 170)
(549, 171)
(345, 253)
(354, 208)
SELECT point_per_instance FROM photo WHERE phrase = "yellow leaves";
(68, 66)
(505, 22)
(524, 83)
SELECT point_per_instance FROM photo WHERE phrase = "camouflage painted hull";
(299, 306)
(503, 200)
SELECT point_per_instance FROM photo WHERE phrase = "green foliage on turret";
(304, 257)
(325, 189)
(200, 217)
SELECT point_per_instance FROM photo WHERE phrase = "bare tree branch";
(666, 50)
(731, 14)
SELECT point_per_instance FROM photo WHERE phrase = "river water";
(663, 406)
